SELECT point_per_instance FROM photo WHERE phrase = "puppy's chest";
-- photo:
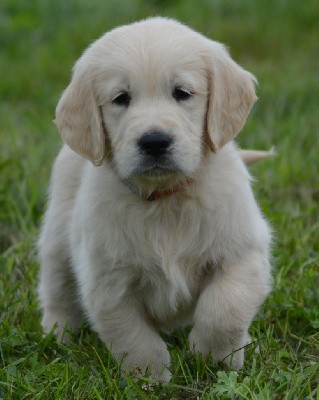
(168, 240)
(171, 253)
(169, 292)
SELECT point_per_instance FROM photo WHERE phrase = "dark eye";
(180, 94)
(123, 99)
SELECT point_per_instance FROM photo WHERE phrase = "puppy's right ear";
(79, 120)
(231, 96)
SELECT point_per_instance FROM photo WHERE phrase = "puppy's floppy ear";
(231, 96)
(79, 119)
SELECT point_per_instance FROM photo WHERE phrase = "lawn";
(277, 40)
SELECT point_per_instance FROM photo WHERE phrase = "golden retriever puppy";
(151, 222)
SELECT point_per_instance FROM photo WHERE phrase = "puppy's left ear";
(231, 96)
(79, 118)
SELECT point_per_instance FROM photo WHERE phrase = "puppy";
(151, 222)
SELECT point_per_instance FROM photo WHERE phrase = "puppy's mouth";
(158, 172)
(156, 169)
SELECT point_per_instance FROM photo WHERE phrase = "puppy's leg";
(57, 288)
(226, 308)
(123, 326)
(57, 294)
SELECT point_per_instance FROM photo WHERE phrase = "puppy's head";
(151, 97)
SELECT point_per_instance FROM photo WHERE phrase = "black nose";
(154, 143)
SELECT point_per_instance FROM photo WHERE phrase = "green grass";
(278, 41)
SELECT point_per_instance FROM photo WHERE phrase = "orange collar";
(157, 194)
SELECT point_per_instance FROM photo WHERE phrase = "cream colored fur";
(135, 268)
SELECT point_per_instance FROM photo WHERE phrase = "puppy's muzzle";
(156, 152)
(155, 144)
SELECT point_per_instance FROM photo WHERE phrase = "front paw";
(224, 347)
(155, 365)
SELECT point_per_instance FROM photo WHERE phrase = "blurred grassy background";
(277, 40)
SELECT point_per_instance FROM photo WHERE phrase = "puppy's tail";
(253, 156)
